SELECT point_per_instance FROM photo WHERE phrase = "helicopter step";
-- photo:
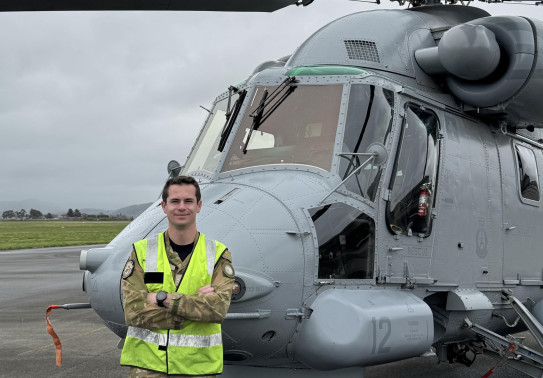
(510, 349)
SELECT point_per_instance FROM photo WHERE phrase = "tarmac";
(32, 280)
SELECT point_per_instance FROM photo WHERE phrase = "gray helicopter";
(379, 190)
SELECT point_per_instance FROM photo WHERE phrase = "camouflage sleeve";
(138, 312)
(210, 308)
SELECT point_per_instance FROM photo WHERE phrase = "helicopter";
(379, 192)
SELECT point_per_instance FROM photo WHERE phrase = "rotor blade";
(175, 5)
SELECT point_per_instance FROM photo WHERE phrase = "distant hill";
(132, 211)
(48, 207)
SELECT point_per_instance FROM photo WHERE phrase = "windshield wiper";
(231, 115)
(256, 119)
(259, 116)
(289, 89)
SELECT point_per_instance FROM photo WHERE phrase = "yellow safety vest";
(197, 348)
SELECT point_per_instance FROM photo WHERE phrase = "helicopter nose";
(260, 231)
(266, 240)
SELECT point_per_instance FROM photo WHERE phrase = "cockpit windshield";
(302, 130)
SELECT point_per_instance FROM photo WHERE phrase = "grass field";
(38, 234)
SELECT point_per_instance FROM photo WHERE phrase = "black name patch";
(153, 277)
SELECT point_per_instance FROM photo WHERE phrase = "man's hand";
(206, 290)
(151, 298)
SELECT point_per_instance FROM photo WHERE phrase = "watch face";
(161, 295)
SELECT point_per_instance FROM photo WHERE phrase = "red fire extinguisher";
(424, 197)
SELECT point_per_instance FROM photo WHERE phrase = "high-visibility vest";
(197, 348)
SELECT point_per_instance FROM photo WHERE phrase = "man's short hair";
(181, 180)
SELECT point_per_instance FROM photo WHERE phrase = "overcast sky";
(93, 105)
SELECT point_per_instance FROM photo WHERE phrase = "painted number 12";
(384, 323)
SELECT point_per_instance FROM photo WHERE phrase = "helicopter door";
(521, 214)
(413, 185)
(412, 194)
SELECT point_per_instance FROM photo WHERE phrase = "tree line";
(71, 214)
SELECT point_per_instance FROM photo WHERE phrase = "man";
(176, 291)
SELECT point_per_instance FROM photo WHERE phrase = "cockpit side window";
(205, 155)
(369, 120)
(413, 184)
(346, 239)
(527, 173)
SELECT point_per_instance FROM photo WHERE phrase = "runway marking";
(53, 345)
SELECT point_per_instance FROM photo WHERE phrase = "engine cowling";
(494, 64)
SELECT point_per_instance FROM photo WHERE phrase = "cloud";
(93, 105)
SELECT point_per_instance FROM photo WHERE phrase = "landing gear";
(510, 349)
(460, 353)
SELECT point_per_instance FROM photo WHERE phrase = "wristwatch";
(160, 298)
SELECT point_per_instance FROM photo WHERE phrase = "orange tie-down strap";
(54, 335)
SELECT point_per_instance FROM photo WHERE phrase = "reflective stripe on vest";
(194, 341)
(147, 336)
(211, 250)
(152, 254)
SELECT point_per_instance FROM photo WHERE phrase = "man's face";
(181, 206)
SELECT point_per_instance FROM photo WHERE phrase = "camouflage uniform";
(203, 308)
